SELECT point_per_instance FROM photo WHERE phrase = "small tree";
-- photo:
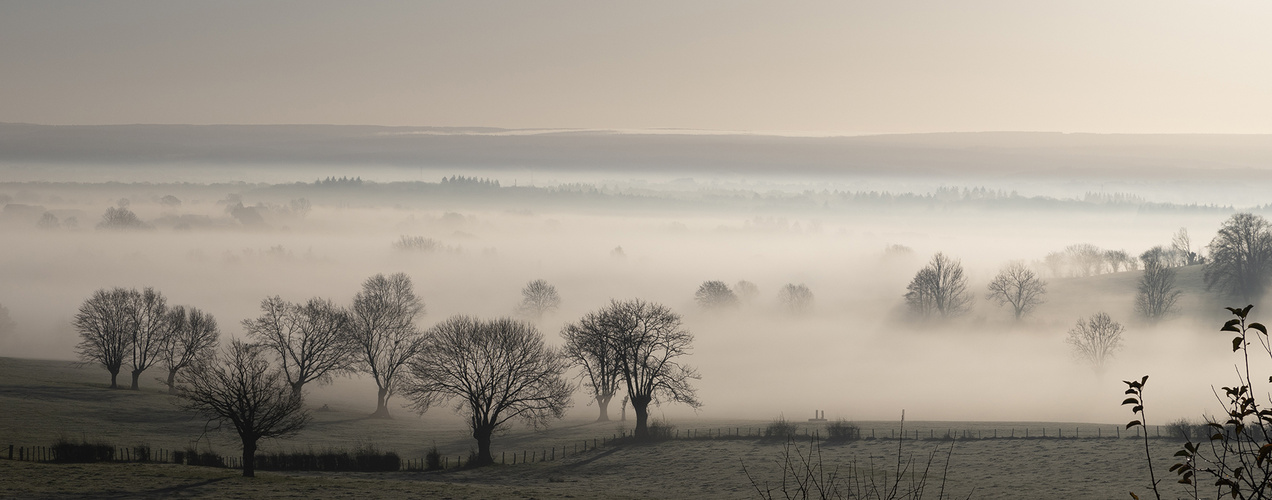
(939, 289)
(384, 332)
(1095, 340)
(650, 341)
(120, 218)
(499, 370)
(796, 299)
(1241, 257)
(1157, 294)
(192, 334)
(239, 387)
(1182, 245)
(148, 322)
(746, 291)
(103, 324)
(1019, 286)
(588, 346)
(7, 326)
(312, 340)
(715, 295)
(1086, 259)
(538, 298)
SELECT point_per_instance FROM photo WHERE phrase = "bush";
(205, 459)
(660, 430)
(843, 430)
(433, 460)
(66, 451)
(780, 428)
(1186, 430)
(363, 459)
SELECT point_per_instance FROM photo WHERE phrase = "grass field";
(46, 400)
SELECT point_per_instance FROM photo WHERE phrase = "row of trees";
(1240, 264)
(717, 295)
(127, 325)
(497, 370)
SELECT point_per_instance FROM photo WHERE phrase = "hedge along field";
(47, 400)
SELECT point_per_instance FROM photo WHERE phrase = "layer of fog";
(856, 356)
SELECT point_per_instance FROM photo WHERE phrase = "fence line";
(111, 453)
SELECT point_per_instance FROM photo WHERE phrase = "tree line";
(495, 370)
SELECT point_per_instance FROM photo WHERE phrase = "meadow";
(47, 400)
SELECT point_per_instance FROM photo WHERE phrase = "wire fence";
(390, 461)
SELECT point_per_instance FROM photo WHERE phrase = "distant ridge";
(986, 153)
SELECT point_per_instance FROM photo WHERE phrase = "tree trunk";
(172, 381)
(482, 434)
(296, 388)
(602, 402)
(136, 374)
(249, 457)
(641, 405)
(382, 404)
(113, 376)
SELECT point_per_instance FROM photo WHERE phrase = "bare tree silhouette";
(715, 295)
(588, 346)
(500, 370)
(312, 341)
(1157, 294)
(238, 387)
(796, 299)
(103, 324)
(650, 341)
(1019, 286)
(538, 298)
(384, 332)
(1095, 340)
(1241, 257)
(192, 334)
(939, 289)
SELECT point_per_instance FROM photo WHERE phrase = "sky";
(832, 67)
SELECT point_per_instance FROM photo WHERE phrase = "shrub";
(433, 460)
(780, 428)
(660, 430)
(363, 459)
(205, 459)
(66, 451)
(843, 430)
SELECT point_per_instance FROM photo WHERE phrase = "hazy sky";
(817, 67)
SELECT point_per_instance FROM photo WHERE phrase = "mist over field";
(234, 234)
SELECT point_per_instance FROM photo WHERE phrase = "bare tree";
(715, 295)
(499, 370)
(1241, 257)
(1157, 293)
(103, 324)
(746, 291)
(650, 340)
(588, 346)
(1019, 286)
(7, 326)
(1057, 263)
(538, 298)
(192, 334)
(238, 387)
(148, 321)
(120, 218)
(1117, 259)
(1182, 245)
(794, 298)
(383, 328)
(310, 340)
(1096, 339)
(1086, 259)
(939, 289)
